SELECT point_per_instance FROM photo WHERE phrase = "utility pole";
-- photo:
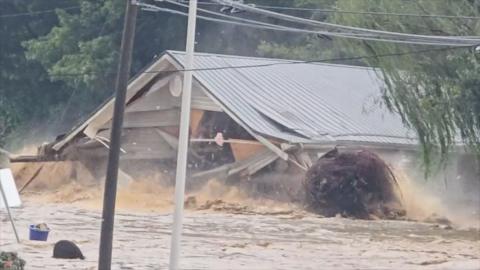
(110, 192)
(183, 138)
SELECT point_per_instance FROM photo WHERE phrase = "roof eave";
(58, 145)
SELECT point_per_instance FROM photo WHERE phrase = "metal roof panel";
(301, 102)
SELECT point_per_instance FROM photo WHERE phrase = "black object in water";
(65, 249)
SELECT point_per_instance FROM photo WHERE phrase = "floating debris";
(42, 227)
(65, 249)
(352, 184)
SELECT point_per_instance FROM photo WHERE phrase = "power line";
(311, 22)
(252, 22)
(36, 12)
(444, 16)
(285, 28)
(267, 26)
(322, 61)
(388, 34)
(291, 62)
(378, 37)
(246, 22)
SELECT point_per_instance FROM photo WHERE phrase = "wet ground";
(221, 240)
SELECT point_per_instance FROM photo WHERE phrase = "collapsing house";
(264, 120)
(247, 113)
(242, 119)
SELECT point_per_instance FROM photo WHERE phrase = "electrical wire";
(267, 26)
(443, 16)
(173, 2)
(338, 34)
(248, 21)
(456, 39)
(284, 27)
(277, 27)
(294, 62)
(254, 22)
(36, 12)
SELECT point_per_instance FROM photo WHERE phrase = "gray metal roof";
(307, 103)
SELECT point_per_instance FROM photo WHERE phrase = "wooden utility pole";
(110, 192)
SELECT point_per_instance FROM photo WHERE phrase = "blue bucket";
(38, 235)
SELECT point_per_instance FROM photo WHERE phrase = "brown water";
(221, 240)
(234, 231)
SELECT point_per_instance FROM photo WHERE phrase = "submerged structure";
(250, 116)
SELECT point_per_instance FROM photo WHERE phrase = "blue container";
(38, 235)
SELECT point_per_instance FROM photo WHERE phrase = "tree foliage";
(26, 93)
(436, 93)
(58, 66)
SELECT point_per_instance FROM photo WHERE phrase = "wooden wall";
(146, 118)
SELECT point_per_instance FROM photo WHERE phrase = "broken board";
(11, 192)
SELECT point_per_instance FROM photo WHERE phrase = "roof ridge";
(269, 59)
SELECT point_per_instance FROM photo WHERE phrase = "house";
(246, 114)
(269, 119)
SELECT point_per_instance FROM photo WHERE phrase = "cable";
(283, 27)
(255, 22)
(442, 16)
(338, 34)
(262, 25)
(331, 25)
(456, 39)
(289, 62)
(248, 21)
(251, 22)
(356, 12)
(319, 60)
(291, 29)
(36, 12)
(221, 14)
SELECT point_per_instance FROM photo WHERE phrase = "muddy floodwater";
(223, 240)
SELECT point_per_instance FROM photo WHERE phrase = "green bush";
(10, 261)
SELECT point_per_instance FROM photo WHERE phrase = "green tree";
(67, 63)
(303, 46)
(26, 93)
(438, 93)
(81, 50)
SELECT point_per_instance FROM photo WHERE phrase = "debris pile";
(352, 184)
